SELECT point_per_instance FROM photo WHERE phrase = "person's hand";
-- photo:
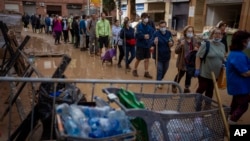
(156, 41)
(182, 42)
(170, 43)
(196, 73)
(146, 36)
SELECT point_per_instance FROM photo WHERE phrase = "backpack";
(190, 59)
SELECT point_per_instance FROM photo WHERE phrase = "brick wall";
(1, 5)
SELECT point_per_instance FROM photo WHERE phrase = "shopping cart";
(62, 136)
(172, 117)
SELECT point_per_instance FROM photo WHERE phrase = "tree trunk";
(132, 10)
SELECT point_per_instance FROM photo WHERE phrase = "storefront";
(29, 7)
(180, 15)
(139, 9)
(228, 12)
(11, 7)
(74, 9)
(156, 11)
(54, 9)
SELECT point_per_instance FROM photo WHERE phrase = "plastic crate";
(165, 125)
(121, 137)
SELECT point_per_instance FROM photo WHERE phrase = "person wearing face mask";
(238, 75)
(184, 46)
(213, 63)
(222, 26)
(144, 34)
(162, 40)
(128, 36)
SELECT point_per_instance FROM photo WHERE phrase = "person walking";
(65, 30)
(117, 41)
(238, 75)
(222, 26)
(70, 21)
(91, 28)
(82, 33)
(184, 46)
(128, 36)
(162, 42)
(47, 24)
(57, 28)
(76, 29)
(103, 32)
(144, 33)
(25, 20)
(212, 63)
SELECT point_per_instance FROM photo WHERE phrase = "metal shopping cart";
(171, 117)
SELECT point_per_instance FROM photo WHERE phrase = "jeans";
(82, 41)
(129, 50)
(121, 55)
(162, 68)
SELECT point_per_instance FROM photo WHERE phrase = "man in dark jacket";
(162, 42)
(25, 20)
(144, 34)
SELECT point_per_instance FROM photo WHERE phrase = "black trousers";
(103, 40)
(66, 35)
(87, 41)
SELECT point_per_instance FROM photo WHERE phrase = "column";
(245, 16)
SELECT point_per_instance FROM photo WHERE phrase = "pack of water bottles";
(92, 123)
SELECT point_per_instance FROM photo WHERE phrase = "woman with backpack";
(213, 63)
(185, 45)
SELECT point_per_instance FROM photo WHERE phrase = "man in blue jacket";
(144, 34)
(162, 42)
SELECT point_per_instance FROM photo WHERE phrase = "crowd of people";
(197, 56)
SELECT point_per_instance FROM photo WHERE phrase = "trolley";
(171, 117)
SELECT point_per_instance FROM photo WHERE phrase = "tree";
(108, 5)
(133, 10)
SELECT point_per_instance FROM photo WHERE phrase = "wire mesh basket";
(172, 117)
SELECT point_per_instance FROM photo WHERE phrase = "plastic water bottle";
(100, 102)
(198, 128)
(109, 126)
(124, 124)
(91, 112)
(76, 113)
(70, 126)
(62, 109)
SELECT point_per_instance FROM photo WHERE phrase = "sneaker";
(159, 86)
(147, 75)
(119, 65)
(174, 89)
(230, 122)
(128, 67)
(186, 90)
(135, 74)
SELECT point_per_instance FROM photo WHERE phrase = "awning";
(155, 11)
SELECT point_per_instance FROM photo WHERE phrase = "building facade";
(60, 7)
(199, 13)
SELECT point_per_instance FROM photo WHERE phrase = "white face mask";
(217, 40)
(145, 20)
(163, 30)
(190, 35)
(248, 44)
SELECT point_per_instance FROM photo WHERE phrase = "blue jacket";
(129, 34)
(164, 52)
(143, 29)
(82, 25)
(237, 63)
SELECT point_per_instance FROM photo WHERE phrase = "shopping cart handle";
(112, 96)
